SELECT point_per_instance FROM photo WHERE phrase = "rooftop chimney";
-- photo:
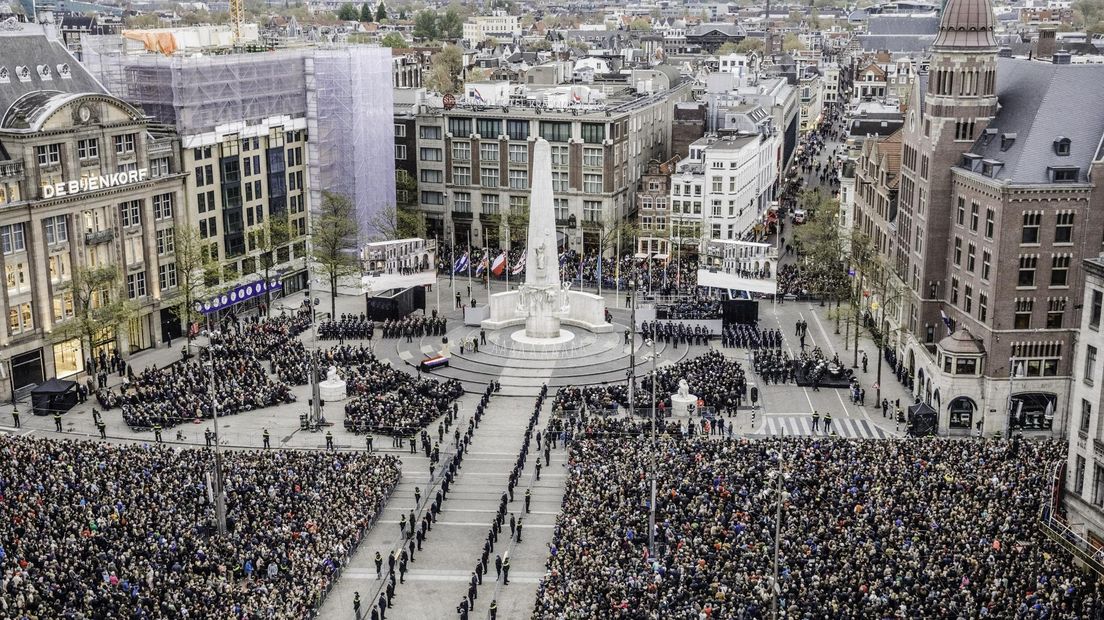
(1061, 57)
(1045, 44)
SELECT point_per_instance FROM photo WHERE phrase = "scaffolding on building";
(335, 88)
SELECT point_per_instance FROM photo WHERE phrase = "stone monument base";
(584, 310)
(332, 390)
(680, 405)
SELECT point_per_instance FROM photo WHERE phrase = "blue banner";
(237, 295)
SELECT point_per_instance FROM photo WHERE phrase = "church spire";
(967, 25)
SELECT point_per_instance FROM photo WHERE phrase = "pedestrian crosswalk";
(802, 425)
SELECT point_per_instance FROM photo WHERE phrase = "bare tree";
(334, 241)
(100, 303)
(275, 234)
(197, 276)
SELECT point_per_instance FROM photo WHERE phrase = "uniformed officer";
(15, 418)
(368, 442)
(828, 422)
(208, 435)
(494, 609)
(267, 444)
(506, 571)
(57, 421)
(379, 565)
(528, 498)
(356, 604)
(816, 420)
(103, 429)
(329, 440)
(156, 432)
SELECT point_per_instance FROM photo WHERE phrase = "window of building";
(400, 152)
(461, 202)
(593, 133)
(561, 208)
(592, 183)
(89, 148)
(1065, 175)
(1059, 269)
(1090, 364)
(400, 130)
(986, 260)
(429, 132)
(970, 251)
(592, 210)
(1079, 476)
(48, 154)
(961, 210)
(461, 151)
(1023, 313)
(1030, 233)
(561, 156)
(136, 285)
(1056, 309)
(1098, 485)
(958, 252)
(592, 157)
(490, 204)
(124, 144)
(159, 167)
(64, 309)
(519, 179)
(428, 175)
(57, 229)
(989, 222)
(555, 131)
(163, 207)
(1026, 274)
(559, 181)
(517, 130)
(208, 227)
(488, 127)
(166, 275)
(519, 154)
(12, 239)
(130, 213)
(968, 299)
(20, 318)
(460, 127)
(166, 241)
(974, 215)
(488, 151)
(461, 175)
(1095, 309)
(204, 175)
(488, 177)
(966, 366)
(983, 307)
(924, 167)
(954, 290)
(1063, 229)
(432, 198)
(1086, 417)
(59, 267)
(429, 154)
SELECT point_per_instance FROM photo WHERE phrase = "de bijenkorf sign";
(237, 295)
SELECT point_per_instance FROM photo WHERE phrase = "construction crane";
(237, 17)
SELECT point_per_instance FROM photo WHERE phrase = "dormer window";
(23, 72)
(1062, 146)
(44, 72)
(63, 71)
(5, 76)
(1064, 175)
(1007, 140)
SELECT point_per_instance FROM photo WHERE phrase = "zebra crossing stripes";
(802, 426)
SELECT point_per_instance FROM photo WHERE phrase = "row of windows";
(553, 131)
(1059, 270)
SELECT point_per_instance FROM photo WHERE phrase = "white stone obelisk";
(542, 300)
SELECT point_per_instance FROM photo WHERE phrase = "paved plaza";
(439, 575)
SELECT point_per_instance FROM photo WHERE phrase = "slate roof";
(726, 29)
(908, 43)
(1041, 102)
(902, 24)
(967, 25)
(31, 50)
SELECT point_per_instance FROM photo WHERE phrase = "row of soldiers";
(676, 333)
(774, 366)
(750, 337)
(416, 326)
(348, 327)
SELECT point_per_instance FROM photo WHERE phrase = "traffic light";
(754, 394)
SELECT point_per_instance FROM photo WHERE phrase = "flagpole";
(437, 270)
(507, 255)
(617, 267)
(469, 260)
(487, 273)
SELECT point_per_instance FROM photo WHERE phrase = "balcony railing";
(99, 236)
(9, 169)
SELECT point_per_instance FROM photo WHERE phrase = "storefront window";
(962, 412)
(1033, 411)
(68, 359)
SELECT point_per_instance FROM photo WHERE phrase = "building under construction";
(331, 92)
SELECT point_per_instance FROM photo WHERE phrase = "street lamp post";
(1015, 369)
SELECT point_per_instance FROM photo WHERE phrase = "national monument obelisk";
(541, 298)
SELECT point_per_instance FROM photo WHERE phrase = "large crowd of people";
(718, 382)
(182, 392)
(870, 529)
(389, 401)
(96, 530)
